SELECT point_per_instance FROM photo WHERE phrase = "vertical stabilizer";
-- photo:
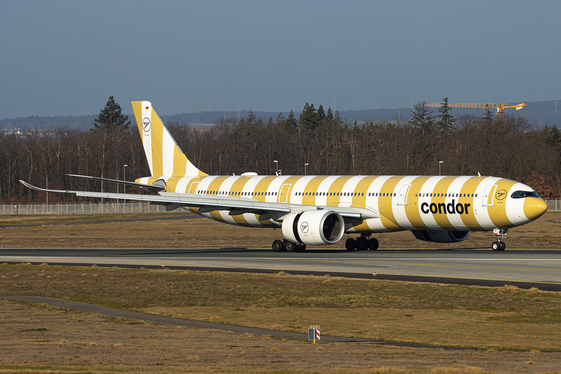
(164, 156)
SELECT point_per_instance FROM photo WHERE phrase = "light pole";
(439, 167)
(306, 168)
(47, 187)
(277, 172)
(125, 177)
(124, 186)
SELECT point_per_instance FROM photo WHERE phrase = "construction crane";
(499, 107)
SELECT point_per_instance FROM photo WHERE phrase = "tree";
(291, 123)
(422, 117)
(110, 128)
(554, 137)
(329, 114)
(111, 119)
(445, 119)
(488, 118)
(308, 118)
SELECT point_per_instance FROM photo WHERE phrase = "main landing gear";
(500, 234)
(285, 245)
(362, 243)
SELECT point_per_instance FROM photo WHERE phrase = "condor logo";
(501, 194)
(442, 208)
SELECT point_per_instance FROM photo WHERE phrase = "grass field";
(504, 318)
(45, 339)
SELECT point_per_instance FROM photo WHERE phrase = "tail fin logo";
(146, 124)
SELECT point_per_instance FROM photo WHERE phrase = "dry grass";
(447, 315)
(194, 231)
(29, 337)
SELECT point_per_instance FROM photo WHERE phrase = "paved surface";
(526, 269)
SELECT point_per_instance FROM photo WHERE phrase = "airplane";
(318, 209)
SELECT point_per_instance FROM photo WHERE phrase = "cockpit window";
(522, 194)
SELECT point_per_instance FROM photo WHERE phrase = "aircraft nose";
(534, 207)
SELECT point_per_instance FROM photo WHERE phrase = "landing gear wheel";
(278, 246)
(350, 244)
(500, 234)
(290, 247)
(373, 244)
(300, 247)
(362, 244)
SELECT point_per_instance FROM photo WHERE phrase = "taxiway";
(541, 269)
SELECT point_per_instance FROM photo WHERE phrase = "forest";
(505, 146)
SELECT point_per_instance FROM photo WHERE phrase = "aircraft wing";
(236, 205)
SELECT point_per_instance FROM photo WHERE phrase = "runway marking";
(408, 264)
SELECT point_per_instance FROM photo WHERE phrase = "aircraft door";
(193, 187)
(489, 195)
(283, 195)
(402, 197)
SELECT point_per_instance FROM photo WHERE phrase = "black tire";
(278, 246)
(503, 246)
(496, 246)
(373, 244)
(300, 247)
(362, 244)
(350, 244)
(290, 247)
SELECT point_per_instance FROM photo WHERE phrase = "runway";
(541, 269)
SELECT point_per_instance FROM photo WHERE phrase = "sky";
(66, 57)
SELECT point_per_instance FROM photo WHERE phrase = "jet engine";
(441, 236)
(314, 227)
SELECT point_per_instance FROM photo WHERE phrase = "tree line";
(505, 146)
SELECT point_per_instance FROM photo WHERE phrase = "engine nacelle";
(314, 227)
(441, 236)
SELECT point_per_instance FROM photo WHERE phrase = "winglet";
(164, 156)
(30, 186)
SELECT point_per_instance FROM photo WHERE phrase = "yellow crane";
(499, 107)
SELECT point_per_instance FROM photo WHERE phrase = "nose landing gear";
(500, 234)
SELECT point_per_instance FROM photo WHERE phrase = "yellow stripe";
(412, 210)
(171, 184)
(179, 162)
(193, 185)
(311, 189)
(290, 181)
(361, 190)
(469, 187)
(214, 187)
(238, 186)
(334, 189)
(157, 131)
(262, 187)
(441, 187)
(386, 206)
(137, 109)
(497, 212)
